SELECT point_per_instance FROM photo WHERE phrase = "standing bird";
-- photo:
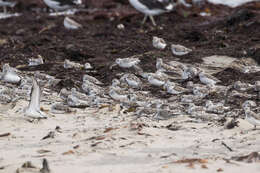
(152, 8)
(61, 5)
(7, 3)
(33, 110)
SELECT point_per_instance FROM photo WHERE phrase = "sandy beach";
(94, 140)
(222, 41)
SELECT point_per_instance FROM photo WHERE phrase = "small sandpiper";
(180, 50)
(156, 80)
(208, 79)
(9, 74)
(132, 80)
(152, 8)
(252, 117)
(159, 43)
(126, 62)
(91, 79)
(173, 88)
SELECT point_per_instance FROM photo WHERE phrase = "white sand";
(153, 148)
(93, 140)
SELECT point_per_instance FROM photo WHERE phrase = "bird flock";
(188, 89)
(133, 89)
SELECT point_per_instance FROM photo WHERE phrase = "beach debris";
(51, 134)
(231, 124)
(27, 167)
(28, 164)
(173, 126)
(250, 158)
(45, 167)
(41, 151)
(191, 162)
(220, 170)
(5, 134)
(68, 152)
(58, 129)
(225, 145)
(60, 108)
